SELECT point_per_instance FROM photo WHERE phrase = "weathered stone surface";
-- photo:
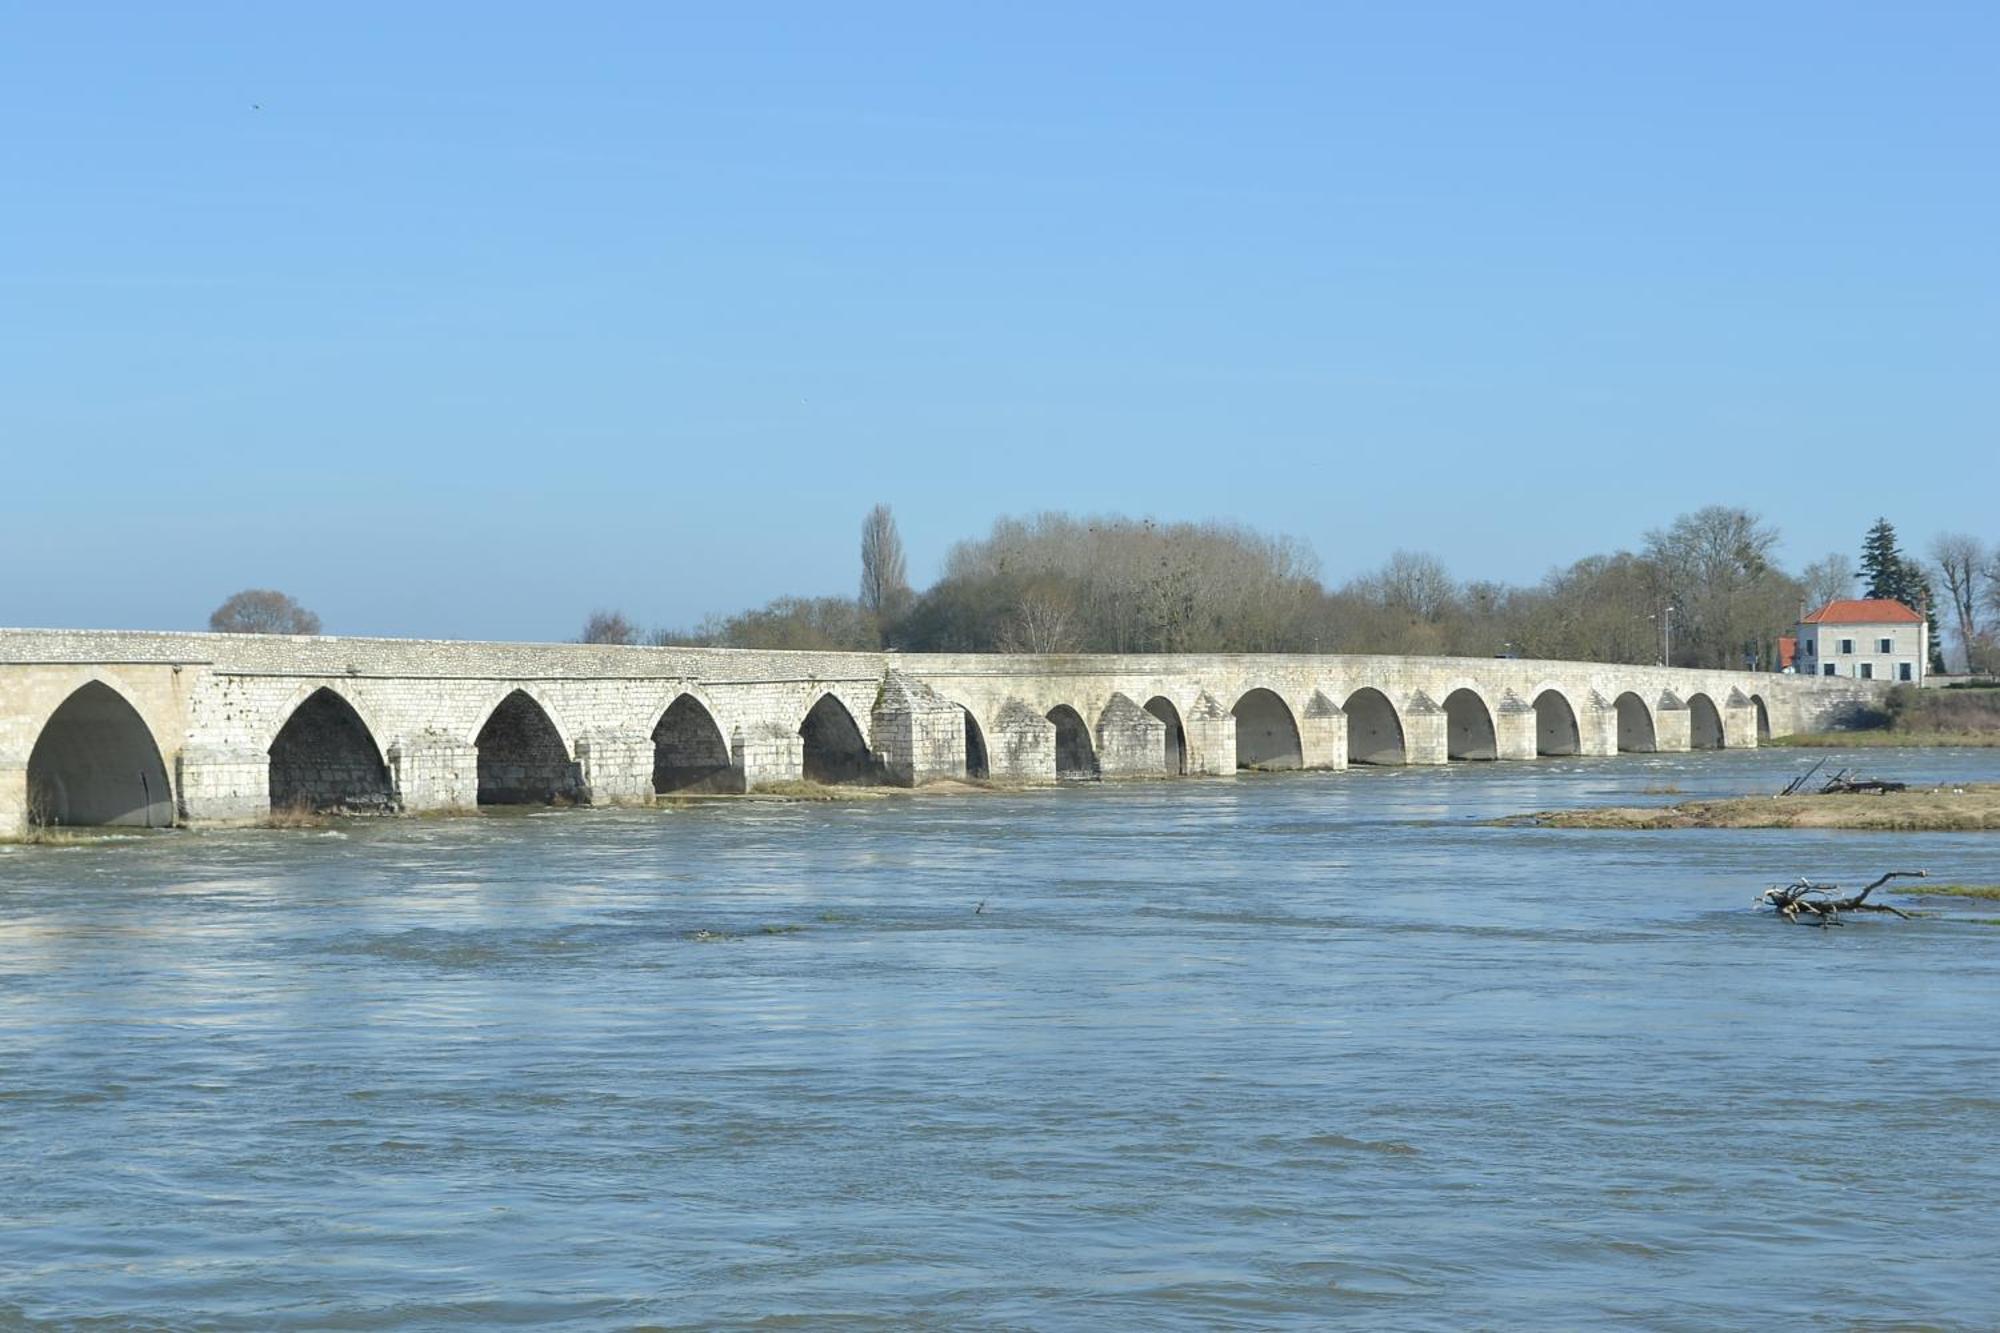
(919, 734)
(1514, 727)
(1211, 737)
(213, 707)
(1323, 733)
(1021, 744)
(1131, 742)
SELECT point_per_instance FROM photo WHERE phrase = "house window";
(1885, 645)
(1829, 668)
(1902, 671)
(1847, 647)
(1867, 671)
(1809, 647)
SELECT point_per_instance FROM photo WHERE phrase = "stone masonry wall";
(215, 704)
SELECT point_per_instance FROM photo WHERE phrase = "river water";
(1281, 1051)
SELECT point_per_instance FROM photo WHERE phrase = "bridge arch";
(1636, 731)
(524, 758)
(690, 753)
(1556, 729)
(978, 763)
(835, 750)
(1704, 723)
(95, 762)
(1076, 756)
(1763, 719)
(325, 757)
(1468, 726)
(1374, 731)
(1267, 735)
(1174, 757)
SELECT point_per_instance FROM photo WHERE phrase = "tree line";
(1705, 590)
(1702, 591)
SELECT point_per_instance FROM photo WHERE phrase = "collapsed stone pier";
(153, 729)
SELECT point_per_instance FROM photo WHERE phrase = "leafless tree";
(1830, 579)
(1961, 562)
(609, 627)
(885, 583)
(1727, 599)
(1043, 622)
(262, 611)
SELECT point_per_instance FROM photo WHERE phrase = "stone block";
(1131, 742)
(1597, 726)
(1514, 728)
(1322, 734)
(1739, 722)
(1211, 738)
(434, 770)
(1021, 745)
(1672, 728)
(1426, 738)
(615, 768)
(919, 735)
(221, 785)
(768, 754)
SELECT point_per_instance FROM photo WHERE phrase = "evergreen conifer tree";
(1882, 564)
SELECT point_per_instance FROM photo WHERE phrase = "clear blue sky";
(494, 313)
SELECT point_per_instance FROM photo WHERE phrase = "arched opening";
(1266, 734)
(522, 758)
(1763, 719)
(1704, 723)
(324, 758)
(1076, 757)
(1468, 727)
(976, 763)
(1174, 760)
(1556, 731)
(1635, 725)
(835, 750)
(689, 752)
(96, 763)
(1374, 732)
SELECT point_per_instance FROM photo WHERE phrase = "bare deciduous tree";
(885, 583)
(262, 611)
(1961, 562)
(1728, 601)
(1830, 579)
(609, 627)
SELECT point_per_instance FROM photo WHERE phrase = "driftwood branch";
(1807, 903)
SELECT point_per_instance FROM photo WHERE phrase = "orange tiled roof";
(1865, 611)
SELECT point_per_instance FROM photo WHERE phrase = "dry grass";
(1885, 738)
(298, 815)
(1990, 892)
(1942, 810)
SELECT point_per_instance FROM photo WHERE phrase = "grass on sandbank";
(1959, 809)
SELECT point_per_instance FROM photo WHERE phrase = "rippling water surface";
(1275, 1051)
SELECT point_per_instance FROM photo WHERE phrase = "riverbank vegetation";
(1705, 590)
(1919, 717)
(1938, 810)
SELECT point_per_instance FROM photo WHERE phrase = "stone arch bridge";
(157, 729)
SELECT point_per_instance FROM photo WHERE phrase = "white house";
(1871, 639)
